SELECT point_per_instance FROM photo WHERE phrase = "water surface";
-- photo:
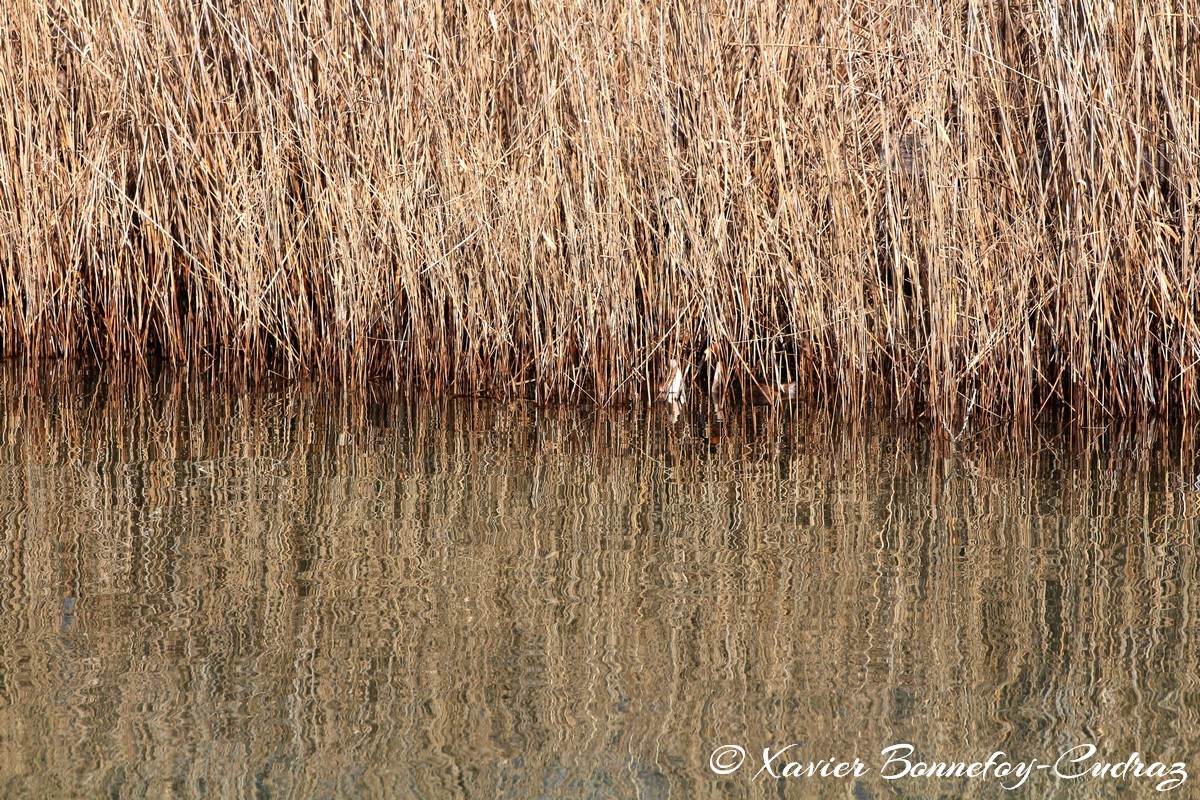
(283, 592)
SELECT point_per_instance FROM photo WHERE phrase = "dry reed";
(938, 208)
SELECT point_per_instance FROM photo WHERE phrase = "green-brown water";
(208, 592)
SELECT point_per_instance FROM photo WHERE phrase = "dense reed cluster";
(939, 208)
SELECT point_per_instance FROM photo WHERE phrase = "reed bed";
(944, 209)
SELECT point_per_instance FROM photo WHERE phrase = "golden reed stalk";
(929, 207)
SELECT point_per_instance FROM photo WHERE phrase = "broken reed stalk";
(908, 204)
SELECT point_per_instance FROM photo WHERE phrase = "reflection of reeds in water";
(288, 590)
(896, 204)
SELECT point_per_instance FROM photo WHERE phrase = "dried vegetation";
(924, 206)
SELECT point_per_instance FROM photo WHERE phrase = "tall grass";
(941, 208)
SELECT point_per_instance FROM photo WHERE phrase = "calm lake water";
(210, 592)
